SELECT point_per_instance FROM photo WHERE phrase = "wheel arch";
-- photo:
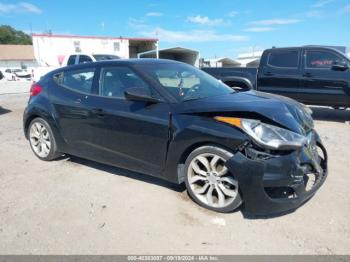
(27, 122)
(194, 146)
(35, 113)
(226, 155)
(199, 134)
(189, 150)
(241, 82)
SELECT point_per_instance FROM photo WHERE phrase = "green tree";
(11, 36)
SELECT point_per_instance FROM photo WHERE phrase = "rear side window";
(79, 80)
(321, 59)
(115, 80)
(284, 59)
(71, 60)
(84, 59)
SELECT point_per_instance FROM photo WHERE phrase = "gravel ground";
(14, 87)
(75, 206)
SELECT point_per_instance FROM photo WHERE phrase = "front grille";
(280, 192)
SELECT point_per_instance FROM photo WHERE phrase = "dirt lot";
(74, 206)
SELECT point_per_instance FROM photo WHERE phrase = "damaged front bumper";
(280, 183)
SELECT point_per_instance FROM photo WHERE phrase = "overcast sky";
(214, 27)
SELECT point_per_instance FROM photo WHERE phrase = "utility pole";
(157, 45)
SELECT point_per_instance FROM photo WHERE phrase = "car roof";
(130, 62)
(138, 61)
(302, 47)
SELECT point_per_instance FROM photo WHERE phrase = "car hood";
(280, 110)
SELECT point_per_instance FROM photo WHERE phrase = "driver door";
(321, 84)
(128, 134)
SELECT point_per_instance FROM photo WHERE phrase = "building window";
(77, 46)
(116, 46)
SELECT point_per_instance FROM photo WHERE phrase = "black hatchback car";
(173, 121)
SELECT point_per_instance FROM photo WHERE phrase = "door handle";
(77, 101)
(99, 112)
(307, 75)
(268, 74)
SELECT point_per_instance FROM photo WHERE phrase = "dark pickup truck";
(311, 75)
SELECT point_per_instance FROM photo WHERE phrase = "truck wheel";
(209, 182)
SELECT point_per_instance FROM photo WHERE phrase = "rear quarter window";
(80, 80)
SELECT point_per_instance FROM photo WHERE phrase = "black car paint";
(156, 138)
(325, 87)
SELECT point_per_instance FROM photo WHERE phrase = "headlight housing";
(265, 135)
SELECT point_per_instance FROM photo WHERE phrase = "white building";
(221, 62)
(17, 56)
(50, 50)
(250, 59)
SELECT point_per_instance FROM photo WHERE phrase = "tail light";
(35, 89)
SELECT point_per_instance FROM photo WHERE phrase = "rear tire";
(42, 140)
(209, 182)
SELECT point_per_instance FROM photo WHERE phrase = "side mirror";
(140, 94)
(340, 66)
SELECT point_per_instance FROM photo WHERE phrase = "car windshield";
(105, 57)
(185, 82)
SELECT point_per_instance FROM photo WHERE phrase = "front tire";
(209, 182)
(42, 140)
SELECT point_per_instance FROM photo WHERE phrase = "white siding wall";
(214, 63)
(15, 64)
(48, 50)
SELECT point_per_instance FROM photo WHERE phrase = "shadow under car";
(4, 111)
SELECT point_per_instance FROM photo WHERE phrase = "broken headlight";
(265, 135)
